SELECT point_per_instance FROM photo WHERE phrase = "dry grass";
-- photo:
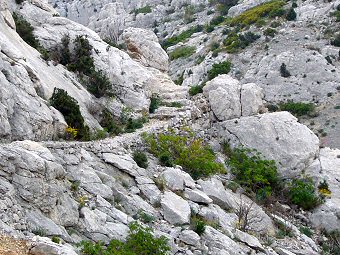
(10, 246)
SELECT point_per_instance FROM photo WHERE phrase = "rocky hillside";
(176, 114)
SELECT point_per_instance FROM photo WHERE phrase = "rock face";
(277, 136)
(229, 99)
(176, 209)
(327, 215)
(143, 46)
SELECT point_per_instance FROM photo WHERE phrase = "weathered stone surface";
(249, 240)
(197, 196)
(277, 136)
(43, 245)
(190, 237)
(143, 46)
(177, 179)
(224, 95)
(175, 209)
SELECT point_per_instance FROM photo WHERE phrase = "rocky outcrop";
(277, 136)
(229, 99)
(143, 46)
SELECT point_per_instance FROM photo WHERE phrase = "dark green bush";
(154, 104)
(332, 244)
(141, 159)
(302, 193)
(194, 90)
(336, 41)
(133, 124)
(298, 109)
(220, 68)
(270, 32)
(291, 14)
(25, 30)
(235, 41)
(110, 124)
(185, 150)
(252, 171)
(140, 241)
(283, 70)
(198, 225)
(69, 107)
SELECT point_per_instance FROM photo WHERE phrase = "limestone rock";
(249, 240)
(277, 136)
(190, 237)
(177, 179)
(175, 209)
(143, 46)
(197, 196)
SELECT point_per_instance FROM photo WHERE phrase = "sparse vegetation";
(154, 104)
(298, 108)
(194, 90)
(182, 52)
(181, 37)
(185, 150)
(283, 70)
(139, 241)
(219, 68)
(235, 41)
(198, 224)
(145, 9)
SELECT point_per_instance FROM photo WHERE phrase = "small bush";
(252, 171)
(154, 104)
(110, 124)
(186, 150)
(19, 1)
(254, 15)
(291, 14)
(298, 109)
(141, 159)
(235, 41)
(332, 244)
(283, 70)
(69, 107)
(194, 90)
(336, 41)
(198, 225)
(55, 239)
(182, 52)
(302, 193)
(220, 68)
(306, 231)
(145, 9)
(140, 241)
(133, 124)
(270, 32)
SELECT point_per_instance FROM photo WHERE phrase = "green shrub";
(181, 37)
(110, 124)
(302, 193)
(194, 90)
(270, 32)
(145, 9)
(306, 231)
(252, 171)
(255, 14)
(182, 52)
(140, 241)
(298, 109)
(198, 225)
(133, 124)
(141, 159)
(69, 107)
(186, 150)
(55, 239)
(235, 41)
(291, 14)
(220, 68)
